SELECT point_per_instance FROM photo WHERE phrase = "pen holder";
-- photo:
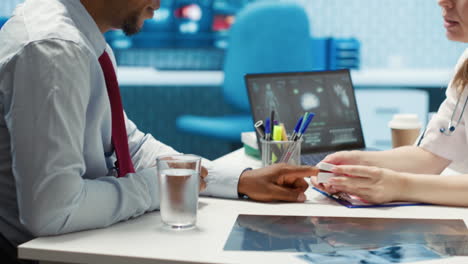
(281, 152)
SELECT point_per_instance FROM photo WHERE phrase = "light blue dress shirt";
(55, 131)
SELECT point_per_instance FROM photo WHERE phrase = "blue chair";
(3, 20)
(266, 37)
(377, 107)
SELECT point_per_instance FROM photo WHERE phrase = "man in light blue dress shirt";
(56, 155)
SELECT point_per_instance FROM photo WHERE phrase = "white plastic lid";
(405, 121)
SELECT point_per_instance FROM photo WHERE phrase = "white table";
(422, 78)
(144, 240)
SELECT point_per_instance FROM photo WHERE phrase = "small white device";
(325, 166)
(324, 177)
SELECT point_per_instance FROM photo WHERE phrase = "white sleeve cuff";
(222, 179)
(150, 175)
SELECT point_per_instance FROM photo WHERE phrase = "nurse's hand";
(354, 157)
(374, 185)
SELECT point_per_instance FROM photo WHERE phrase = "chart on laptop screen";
(329, 94)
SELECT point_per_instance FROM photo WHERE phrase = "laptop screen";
(328, 94)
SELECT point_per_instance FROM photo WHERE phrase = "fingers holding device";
(325, 173)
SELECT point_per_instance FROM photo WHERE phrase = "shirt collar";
(86, 24)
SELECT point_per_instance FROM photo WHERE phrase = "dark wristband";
(241, 195)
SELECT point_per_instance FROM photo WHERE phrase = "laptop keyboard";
(313, 159)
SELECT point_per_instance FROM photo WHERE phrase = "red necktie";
(119, 134)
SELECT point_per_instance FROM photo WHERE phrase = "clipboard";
(354, 202)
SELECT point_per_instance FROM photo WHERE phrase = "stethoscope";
(451, 127)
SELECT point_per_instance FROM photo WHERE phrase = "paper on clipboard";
(351, 201)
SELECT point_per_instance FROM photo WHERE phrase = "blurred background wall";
(392, 34)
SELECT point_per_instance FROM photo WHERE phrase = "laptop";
(329, 94)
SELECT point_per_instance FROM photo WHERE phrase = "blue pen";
(267, 129)
(296, 128)
(306, 114)
(298, 136)
(305, 126)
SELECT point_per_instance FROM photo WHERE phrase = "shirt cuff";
(222, 179)
(150, 175)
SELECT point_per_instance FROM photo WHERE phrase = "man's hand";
(203, 174)
(278, 182)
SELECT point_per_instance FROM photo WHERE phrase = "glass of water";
(178, 177)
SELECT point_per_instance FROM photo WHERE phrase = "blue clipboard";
(342, 200)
